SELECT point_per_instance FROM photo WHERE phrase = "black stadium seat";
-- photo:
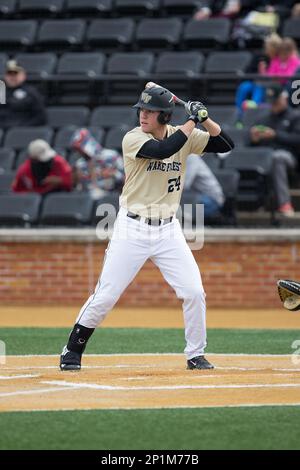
(135, 65)
(114, 137)
(19, 209)
(7, 158)
(224, 115)
(6, 180)
(36, 64)
(89, 64)
(183, 8)
(3, 60)
(291, 28)
(67, 209)
(89, 7)
(229, 181)
(158, 33)
(136, 7)
(17, 34)
(183, 63)
(112, 116)
(228, 62)
(60, 34)
(18, 138)
(7, 8)
(179, 116)
(111, 34)
(33, 8)
(255, 167)
(61, 116)
(206, 33)
(185, 66)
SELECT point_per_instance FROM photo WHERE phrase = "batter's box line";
(169, 387)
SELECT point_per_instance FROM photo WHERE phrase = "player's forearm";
(211, 127)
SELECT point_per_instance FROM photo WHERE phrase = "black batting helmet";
(157, 99)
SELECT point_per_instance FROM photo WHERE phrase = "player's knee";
(194, 292)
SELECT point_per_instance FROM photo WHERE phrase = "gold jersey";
(153, 187)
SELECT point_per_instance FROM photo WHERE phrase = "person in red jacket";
(44, 171)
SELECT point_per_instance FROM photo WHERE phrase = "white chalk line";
(33, 392)
(15, 377)
(155, 355)
(169, 387)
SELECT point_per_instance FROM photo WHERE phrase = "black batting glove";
(197, 110)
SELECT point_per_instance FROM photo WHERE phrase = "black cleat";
(199, 362)
(70, 360)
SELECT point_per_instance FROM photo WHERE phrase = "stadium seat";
(228, 62)
(184, 8)
(112, 116)
(36, 64)
(17, 34)
(7, 158)
(212, 161)
(7, 8)
(111, 34)
(81, 63)
(184, 66)
(183, 63)
(224, 115)
(135, 65)
(60, 34)
(158, 33)
(250, 116)
(229, 180)
(61, 116)
(239, 136)
(254, 166)
(18, 138)
(19, 209)
(136, 7)
(291, 28)
(6, 180)
(3, 60)
(63, 136)
(36, 8)
(91, 8)
(206, 34)
(114, 137)
(67, 209)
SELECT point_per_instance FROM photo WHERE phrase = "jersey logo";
(146, 97)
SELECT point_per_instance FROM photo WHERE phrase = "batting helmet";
(157, 99)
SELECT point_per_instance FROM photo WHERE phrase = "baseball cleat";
(199, 362)
(70, 360)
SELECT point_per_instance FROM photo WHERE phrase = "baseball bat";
(203, 112)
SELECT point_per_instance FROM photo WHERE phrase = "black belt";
(150, 221)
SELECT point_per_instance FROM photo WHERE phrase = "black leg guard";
(79, 337)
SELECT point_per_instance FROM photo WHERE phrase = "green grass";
(140, 340)
(197, 429)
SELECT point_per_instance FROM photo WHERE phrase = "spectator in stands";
(44, 171)
(279, 128)
(250, 93)
(100, 170)
(24, 105)
(296, 10)
(226, 8)
(286, 62)
(206, 189)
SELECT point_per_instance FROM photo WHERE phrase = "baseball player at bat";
(155, 156)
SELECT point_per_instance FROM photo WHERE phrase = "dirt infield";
(131, 381)
(59, 316)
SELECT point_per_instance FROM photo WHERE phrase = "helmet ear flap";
(163, 118)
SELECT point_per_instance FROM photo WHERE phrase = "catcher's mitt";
(289, 293)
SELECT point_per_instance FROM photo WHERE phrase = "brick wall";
(234, 274)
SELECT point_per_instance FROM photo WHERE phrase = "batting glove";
(197, 110)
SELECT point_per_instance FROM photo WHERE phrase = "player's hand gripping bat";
(202, 113)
